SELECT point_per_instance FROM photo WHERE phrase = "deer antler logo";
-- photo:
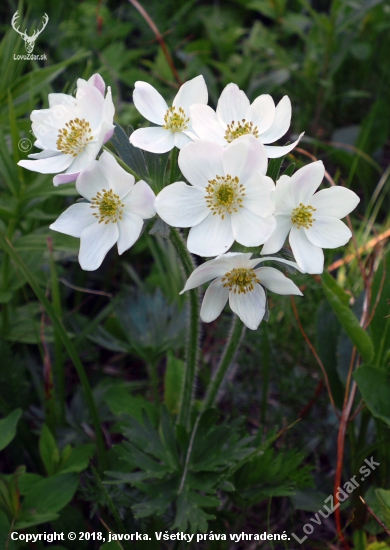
(29, 40)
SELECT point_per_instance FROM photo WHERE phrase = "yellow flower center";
(74, 138)
(235, 130)
(175, 120)
(302, 216)
(109, 206)
(241, 280)
(224, 195)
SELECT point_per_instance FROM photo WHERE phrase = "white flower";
(313, 219)
(236, 117)
(114, 213)
(237, 279)
(173, 121)
(229, 198)
(72, 131)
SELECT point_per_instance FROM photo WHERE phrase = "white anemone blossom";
(312, 219)
(114, 212)
(229, 197)
(72, 131)
(173, 121)
(237, 279)
(236, 117)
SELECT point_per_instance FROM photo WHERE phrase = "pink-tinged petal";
(149, 102)
(274, 152)
(207, 271)
(243, 157)
(97, 81)
(50, 165)
(91, 181)
(61, 99)
(65, 178)
(191, 92)
(275, 281)
(328, 232)
(337, 202)
(90, 105)
(129, 227)
(214, 301)
(155, 140)
(95, 241)
(206, 125)
(182, 139)
(120, 181)
(232, 105)
(276, 240)
(309, 257)
(182, 205)
(108, 135)
(250, 307)
(141, 200)
(305, 182)
(281, 122)
(262, 113)
(74, 220)
(201, 161)
(249, 229)
(258, 192)
(213, 236)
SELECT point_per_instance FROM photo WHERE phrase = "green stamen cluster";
(109, 205)
(302, 216)
(235, 130)
(74, 138)
(176, 121)
(224, 195)
(241, 280)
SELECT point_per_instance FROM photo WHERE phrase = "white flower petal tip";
(174, 123)
(235, 278)
(72, 131)
(312, 219)
(114, 212)
(235, 117)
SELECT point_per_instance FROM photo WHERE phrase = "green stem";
(153, 377)
(173, 167)
(192, 343)
(236, 333)
(8, 248)
(265, 373)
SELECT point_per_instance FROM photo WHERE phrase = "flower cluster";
(227, 195)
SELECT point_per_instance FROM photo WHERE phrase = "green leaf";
(132, 156)
(78, 459)
(374, 385)
(383, 495)
(335, 288)
(350, 323)
(289, 170)
(48, 450)
(173, 383)
(4, 532)
(26, 482)
(8, 428)
(49, 495)
(120, 401)
(274, 166)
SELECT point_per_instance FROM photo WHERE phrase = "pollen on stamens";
(241, 280)
(176, 120)
(109, 206)
(240, 128)
(224, 195)
(74, 138)
(302, 216)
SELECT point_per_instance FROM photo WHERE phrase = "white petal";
(129, 227)
(274, 152)
(182, 205)
(141, 200)
(95, 241)
(258, 190)
(149, 102)
(108, 108)
(97, 81)
(250, 307)
(91, 181)
(336, 201)
(251, 230)
(275, 259)
(214, 301)
(328, 232)
(181, 139)
(211, 237)
(45, 154)
(232, 105)
(244, 156)
(207, 271)
(262, 112)
(120, 181)
(275, 242)
(50, 165)
(275, 281)
(90, 105)
(74, 220)
(191, 92)
(305, 182)
(238, 259)
(201, 161)
(283, 197)
(206, 125)
(155, 140)
(281, 122)
(61, 99)
(308, 256)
